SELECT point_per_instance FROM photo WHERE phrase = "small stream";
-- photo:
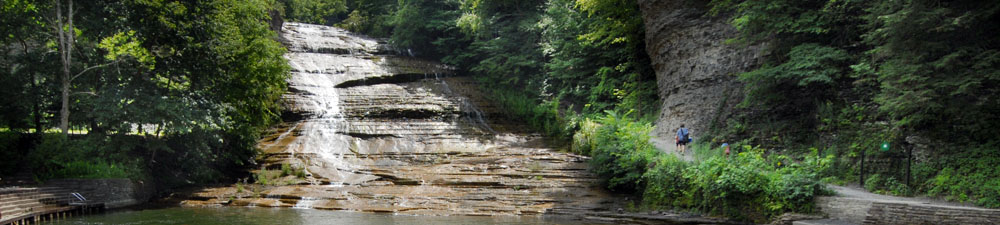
(253, 215)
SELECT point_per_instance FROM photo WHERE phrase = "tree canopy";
(198, 79)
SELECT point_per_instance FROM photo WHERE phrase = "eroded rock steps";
(379, 132)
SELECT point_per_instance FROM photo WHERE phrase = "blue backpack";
(684, 135)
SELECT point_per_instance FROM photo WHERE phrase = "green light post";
(885, 148)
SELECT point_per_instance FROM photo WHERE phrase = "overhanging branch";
(90, 68)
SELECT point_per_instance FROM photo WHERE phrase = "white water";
(306, 203)
(323, 57)
(315, 75)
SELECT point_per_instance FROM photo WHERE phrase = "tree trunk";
(36, 99)
(66, 56)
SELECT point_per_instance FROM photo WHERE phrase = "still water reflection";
(235, 215)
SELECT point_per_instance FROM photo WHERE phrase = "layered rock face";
(695, 70)
(377, 132)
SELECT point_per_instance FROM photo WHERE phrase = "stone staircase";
(17, 202)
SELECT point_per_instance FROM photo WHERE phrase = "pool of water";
(254, 215)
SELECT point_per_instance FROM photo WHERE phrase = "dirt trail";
(669, 146)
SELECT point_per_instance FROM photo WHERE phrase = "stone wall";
(114, 193)
(846, 209)
(902, 213)
(695, 70)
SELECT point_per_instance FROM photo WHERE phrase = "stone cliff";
(695, 69)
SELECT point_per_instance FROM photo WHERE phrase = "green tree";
(314, 11)
(937, 65)
(21, 23)
(185, 86)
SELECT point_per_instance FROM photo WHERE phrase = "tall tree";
(66, 32)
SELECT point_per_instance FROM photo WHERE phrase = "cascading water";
(382, 132)
(319, 63)
(470, 110)
(306, 202)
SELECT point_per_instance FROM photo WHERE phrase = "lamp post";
(885, 148)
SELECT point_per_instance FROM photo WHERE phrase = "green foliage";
(286, 175)
(810, 66)
(747, 186)
(59, 157)
(266, 177)
(862, 72)
(970, 175)
(937, 65)
(174, 89)
(286, 169)
(19, 19)
(597, 56)
(422, 26)
(314, 11)
(371, 17)
(92, 169)
(620, 150)
(544, 117)
(125, 44)
(556, 49)
(289, 170)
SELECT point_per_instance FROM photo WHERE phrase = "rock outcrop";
(695, 69)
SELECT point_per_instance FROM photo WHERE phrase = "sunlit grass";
(77, 131)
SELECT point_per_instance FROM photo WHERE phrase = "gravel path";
(859, 193)
(669, 146)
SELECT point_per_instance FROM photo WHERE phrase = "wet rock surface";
(382, 133)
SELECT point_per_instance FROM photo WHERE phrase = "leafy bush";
(544, 117)
(93, 168)
(59, 157)
(747, 186)
(971, 175)
(668, 186)
(620, 150)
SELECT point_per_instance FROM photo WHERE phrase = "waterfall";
(377, 130)
(318, 63)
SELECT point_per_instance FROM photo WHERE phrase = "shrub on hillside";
(747, 186)
(968, 176)
(619, 148)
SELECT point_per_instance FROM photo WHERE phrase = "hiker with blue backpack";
(683, 138)
(725, 147)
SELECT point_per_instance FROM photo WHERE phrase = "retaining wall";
(114, 193)
(908, 213)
